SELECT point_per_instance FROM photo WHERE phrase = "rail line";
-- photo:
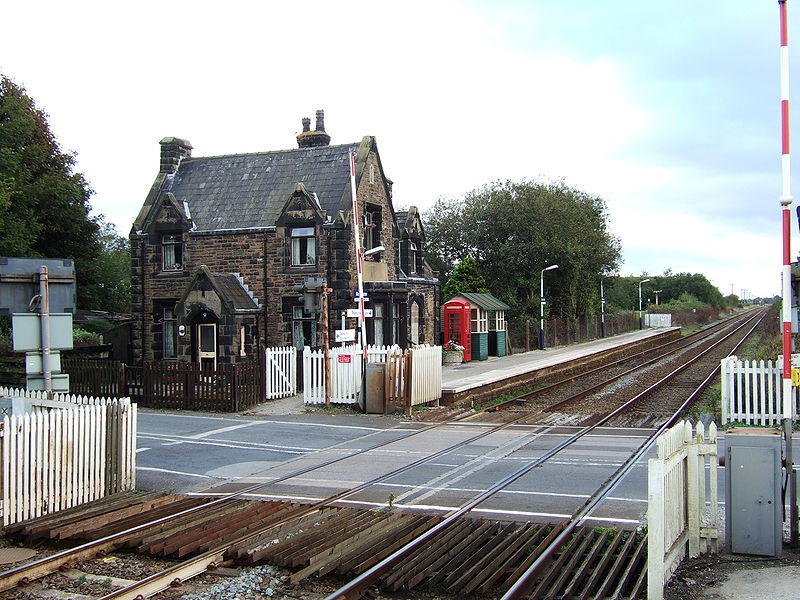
(235, 545)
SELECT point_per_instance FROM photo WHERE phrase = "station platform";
(475, 380)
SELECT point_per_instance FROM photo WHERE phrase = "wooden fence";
(280, 372)
(64, 452)
(412, 376)
(681, 501)
(228, 388)
(752, 392)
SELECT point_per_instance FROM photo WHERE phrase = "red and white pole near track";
(359, 258)
(786, 202)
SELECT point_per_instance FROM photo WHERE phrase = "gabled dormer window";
(172, 252)
(304, 246)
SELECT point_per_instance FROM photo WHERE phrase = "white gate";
(752, 391)
(345, 370)
(280, 372)
(681, 501)
(425, 384)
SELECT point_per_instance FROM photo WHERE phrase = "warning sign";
(345, 358)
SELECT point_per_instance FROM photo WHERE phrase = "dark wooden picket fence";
(228, 388)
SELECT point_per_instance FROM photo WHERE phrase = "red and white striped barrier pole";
(359, 269)
(786, 203)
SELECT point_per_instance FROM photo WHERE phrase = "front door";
(207, 346)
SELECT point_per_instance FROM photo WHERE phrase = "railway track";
(392, 549)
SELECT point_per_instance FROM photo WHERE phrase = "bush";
(81, 337)
(97, 326)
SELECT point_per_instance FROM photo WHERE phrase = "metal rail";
(209, 559)
(684, 343)
(355, 586)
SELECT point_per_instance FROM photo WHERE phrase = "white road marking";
(259, 421)
(426, 507)
(211, 432)
(175, 440)
(157, 470)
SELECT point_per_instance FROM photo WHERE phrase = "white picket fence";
(657, 320)
(280, 373)
(64, 452)
(426, 374)
(752, 391)
(681, 501)
(345, 369)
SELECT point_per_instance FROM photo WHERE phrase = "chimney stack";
(173, 151)
(318, 137)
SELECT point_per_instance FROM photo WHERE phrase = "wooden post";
(655, 529)
(407, 384)
(325, 343)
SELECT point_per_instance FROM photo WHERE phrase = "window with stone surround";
(304, 246)
(172, 252)
(372, 229)
(412, 257)
(169, 334)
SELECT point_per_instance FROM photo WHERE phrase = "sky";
(669, 111)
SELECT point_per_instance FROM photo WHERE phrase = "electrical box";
(19, 284)
(376, 388)
(753, 504)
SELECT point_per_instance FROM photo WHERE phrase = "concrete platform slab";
(461, 381)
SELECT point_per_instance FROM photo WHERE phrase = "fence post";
(655, 529)
(693, 487)
(408, 385)
(234, 384)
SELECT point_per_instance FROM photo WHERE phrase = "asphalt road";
(196, 452)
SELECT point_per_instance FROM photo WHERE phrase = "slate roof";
(231, 289)
(249, 190)
(484, 300)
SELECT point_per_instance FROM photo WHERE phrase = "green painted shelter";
(488, 324)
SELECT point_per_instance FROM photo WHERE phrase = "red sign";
(345, 358)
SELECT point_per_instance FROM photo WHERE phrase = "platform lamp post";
(602, 310)
(541, 304)
(641, 318)
(657, 292)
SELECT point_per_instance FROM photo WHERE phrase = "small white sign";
(354, 312)
(345, 335)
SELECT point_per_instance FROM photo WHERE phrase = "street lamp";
(602, 310)
(641, 320)
(541, 304)
(657, 292)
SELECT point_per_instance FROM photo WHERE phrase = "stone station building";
(221, 241)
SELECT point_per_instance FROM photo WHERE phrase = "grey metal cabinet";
(754, 508)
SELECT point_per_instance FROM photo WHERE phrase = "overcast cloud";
(668, 111)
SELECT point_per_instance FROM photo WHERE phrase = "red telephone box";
(457, 325)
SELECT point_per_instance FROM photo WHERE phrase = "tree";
(623, 292)
(515, 229)
(466, 278)
(44, 204)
